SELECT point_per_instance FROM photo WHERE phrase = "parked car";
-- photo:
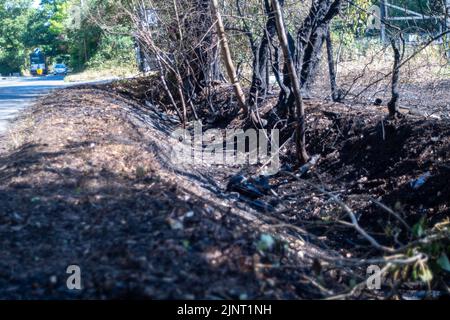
(60, 69)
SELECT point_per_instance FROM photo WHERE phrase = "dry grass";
(424, 79)
(119, 72)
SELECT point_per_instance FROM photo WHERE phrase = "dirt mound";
(89, 180)
(86, 184)
(388, 157)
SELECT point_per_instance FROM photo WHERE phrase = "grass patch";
(106, 73)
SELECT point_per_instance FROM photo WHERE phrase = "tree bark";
(332, 69)
(200, 67)
(310, 38)
(447, 26)
(260, 76)
(307, 50)
(392, 105)
(227, 59)
(295, 84)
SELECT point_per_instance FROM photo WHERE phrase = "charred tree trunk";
(392, 105)
(300, 111)
(335, 96)
(287, 98)
(311, 36)
(260, 76)
(202, 67)
(447, 27)
(307, 48)
(227, 59)
(311, 58)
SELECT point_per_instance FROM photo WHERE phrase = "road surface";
(18, 93)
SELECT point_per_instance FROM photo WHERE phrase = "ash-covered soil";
(87, 179)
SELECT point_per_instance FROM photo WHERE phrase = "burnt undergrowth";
(91, 182)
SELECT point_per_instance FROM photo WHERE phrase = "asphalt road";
(18, 93)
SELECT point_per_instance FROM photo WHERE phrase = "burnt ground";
(88, 178)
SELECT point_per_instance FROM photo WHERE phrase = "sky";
(36, 3)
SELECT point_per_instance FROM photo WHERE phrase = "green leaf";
(266, 242)
(418, 228)
(426, 275)
(443, 262)
(186, 244)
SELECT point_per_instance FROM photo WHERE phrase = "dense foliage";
(66, 30)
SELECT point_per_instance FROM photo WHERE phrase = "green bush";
(113, 51)
(11, 61)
